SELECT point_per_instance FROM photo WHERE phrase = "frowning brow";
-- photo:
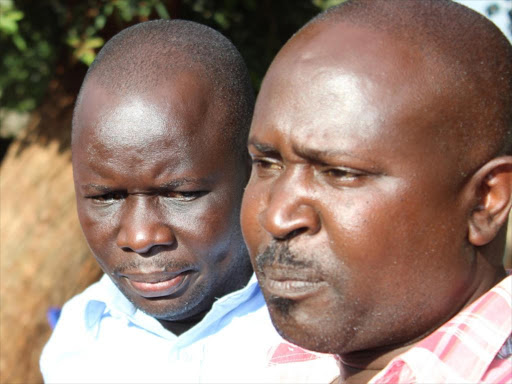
(338, 157)
(327, 155)
(173, 184)
(176, 183)
(265, 149)
(320, 155)
(97, 187)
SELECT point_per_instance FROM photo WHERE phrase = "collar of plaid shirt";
(473, 347)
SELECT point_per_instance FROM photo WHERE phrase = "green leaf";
(15, 15)
(125, 9)
(73, 40)
(95, 42)
(20, 43)
(162, 11)
(324, 4)
(27, 104)
(99, 21)
(144, 10)
(8, 26)
(221, 19)
(108, 9)
(90, 31)
(87, 56)
(9, 21)
(44, 49)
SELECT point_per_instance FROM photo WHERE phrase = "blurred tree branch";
(55, 40)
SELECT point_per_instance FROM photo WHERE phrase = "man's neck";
(181, 326)
(360, 367)
(178, 327)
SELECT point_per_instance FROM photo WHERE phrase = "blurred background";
(45, 49)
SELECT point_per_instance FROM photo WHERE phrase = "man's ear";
(493, 191)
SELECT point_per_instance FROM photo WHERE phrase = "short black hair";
(141, 56)
(469, 51)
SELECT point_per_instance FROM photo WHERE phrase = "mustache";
(280, 254)
(152, 264)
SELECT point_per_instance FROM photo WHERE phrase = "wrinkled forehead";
(350, 87)
(347, 69)
(390, 73)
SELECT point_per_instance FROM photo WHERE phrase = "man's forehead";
(347, 47)
(344, 76)
(178, 107)
(362, 91)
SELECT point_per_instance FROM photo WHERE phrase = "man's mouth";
(291, 283)
(158, 284)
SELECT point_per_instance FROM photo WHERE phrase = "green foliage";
(258, 28)
(45, 38)
(83, 35)
(324, 4)
(27, 57)
(39, 37)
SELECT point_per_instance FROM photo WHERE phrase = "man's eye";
(111, 196)
(265, 164)
(341, 173)
(183, 195)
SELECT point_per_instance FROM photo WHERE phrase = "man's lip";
(152, 277)
(158, 284)
(291, 283)
(283, 273)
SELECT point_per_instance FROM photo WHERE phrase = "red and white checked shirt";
(473, 347)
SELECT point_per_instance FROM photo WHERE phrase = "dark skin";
(365, 232)
(158, 196)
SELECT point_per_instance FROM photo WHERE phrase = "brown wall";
(43, 258)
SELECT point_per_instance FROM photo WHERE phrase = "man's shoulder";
(71, 328)
(76, 308)
(465, 349)
(234, 338)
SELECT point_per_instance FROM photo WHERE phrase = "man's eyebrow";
(98, 187)
(176, 183)
(264, 148)
(318, 155)
(326, 156)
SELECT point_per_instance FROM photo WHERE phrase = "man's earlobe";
(493, 188)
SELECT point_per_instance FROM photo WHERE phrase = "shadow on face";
(356, 213)
(158, 193)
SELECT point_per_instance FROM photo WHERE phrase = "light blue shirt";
(101, 337)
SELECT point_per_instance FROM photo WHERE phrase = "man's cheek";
(256, 238)
(250, 228)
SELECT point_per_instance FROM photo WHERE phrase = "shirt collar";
(106, 299)
(464, 347)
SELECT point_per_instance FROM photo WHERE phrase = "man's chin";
(186, 302)
(167, 308)
(299, 327)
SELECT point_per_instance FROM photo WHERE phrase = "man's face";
(158, 195)
(352, 214)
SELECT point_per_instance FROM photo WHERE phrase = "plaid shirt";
(473, 347)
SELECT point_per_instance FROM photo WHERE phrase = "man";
(381, 184)
(159, 163)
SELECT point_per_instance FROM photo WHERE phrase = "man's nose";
(142, 225)
(290, 210)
